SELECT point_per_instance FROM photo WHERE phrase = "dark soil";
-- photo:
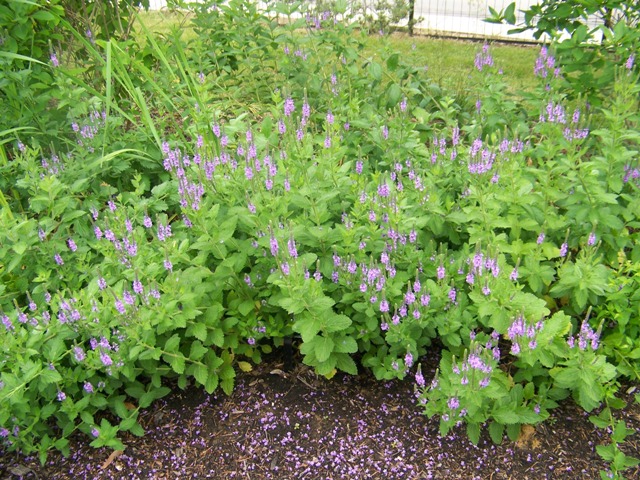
(295, 425)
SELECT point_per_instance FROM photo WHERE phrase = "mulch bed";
(296, 425)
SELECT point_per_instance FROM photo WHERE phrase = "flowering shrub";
(351, 208)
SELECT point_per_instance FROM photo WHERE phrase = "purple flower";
(102, 283)
(54, 60)
(251, 341)
(425, 299)
(514, 274)
(88, 387)
(61, 396)
(72, 245)
(453, 403)
(128, 298)
(95, 433)
(273, 243)
(420, 378)
(408, 360)
(168, 265)
(563, 249)
(147, 222)
(452, 295)
(441, 272)
(58, 259)
(409, 298)
(120, 306)
(383, 190)
(79, 354)
(540, 238)
(384, 306)
(285, 268)
(592, 239)
(330, 118)
(7, 323)
(106, 359)
(630, 61)
(289, 107)
(359, 167)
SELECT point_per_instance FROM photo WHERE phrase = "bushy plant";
(197, 215)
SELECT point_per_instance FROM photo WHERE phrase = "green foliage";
(589, 68)
(207, 197)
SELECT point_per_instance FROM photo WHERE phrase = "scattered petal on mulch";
(296, 425)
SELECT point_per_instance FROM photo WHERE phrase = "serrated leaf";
(48, 376)
(201, 373)
(197, 350)
(292, 306)
(345, 363)
(216, 336)
(307, 326)
(345, 345)
(323, 347)
(506, 416)
(336, 323)
(172, 344)
(496, 432)
(177, 363)
(198, 330)
(473, 432)
(227, 385)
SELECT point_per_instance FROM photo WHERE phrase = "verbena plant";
(209, 198)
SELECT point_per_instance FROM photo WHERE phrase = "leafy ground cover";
(174, 210)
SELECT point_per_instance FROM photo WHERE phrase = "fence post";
(412, 6)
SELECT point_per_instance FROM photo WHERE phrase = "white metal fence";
(460, 18)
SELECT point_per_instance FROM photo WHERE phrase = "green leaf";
(197, 350)
(345, 344)
(496, 432)
(291, 305)
(198, 330)
(320, 305)
(392, 61)
(336, 323)
(323, 348)
(307, 326)
(345, 363)
(473, 432)
(606, 452)
(216, 337)
(172, 344)
(48, 376)
(509, 14)
(393, 95)
(513, 432)
(201, 374)
(177, 363)
(506, 416)
(375, 69)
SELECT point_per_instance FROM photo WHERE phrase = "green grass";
(448, 62)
